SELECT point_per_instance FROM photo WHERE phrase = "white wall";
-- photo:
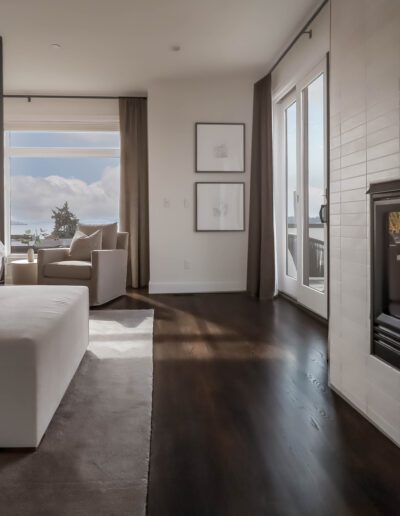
(303, 56)
(182, 260)
(365, 147)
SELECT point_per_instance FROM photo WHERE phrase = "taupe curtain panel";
(134, 196)
(2, 210)
(261, 253)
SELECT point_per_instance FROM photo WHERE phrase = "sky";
(93, 139)
(90, 185)
(316, 149)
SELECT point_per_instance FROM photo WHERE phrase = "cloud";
(33, 198)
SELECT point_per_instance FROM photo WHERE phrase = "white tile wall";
(365, 148)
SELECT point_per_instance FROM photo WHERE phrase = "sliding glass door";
(288, 230)
(302, 183)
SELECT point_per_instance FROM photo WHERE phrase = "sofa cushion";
(69, 269)
(109, 232)
(82, 245)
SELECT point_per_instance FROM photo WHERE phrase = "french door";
(302, 191)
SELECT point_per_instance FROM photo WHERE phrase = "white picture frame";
(220, 147)
(219, 206)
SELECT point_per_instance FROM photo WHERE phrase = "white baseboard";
(195, 287)
(375, 422)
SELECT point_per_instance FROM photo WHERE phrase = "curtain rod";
(98, 97)
(302, 31)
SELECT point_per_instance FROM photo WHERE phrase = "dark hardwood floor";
(244, 422)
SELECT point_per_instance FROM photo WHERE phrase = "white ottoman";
(44, 332)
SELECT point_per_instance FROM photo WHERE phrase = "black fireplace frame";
(385, 328)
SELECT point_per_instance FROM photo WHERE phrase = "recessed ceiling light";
(175, 48)
(55, 46)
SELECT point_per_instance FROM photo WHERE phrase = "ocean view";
(20, 229)
(47, 227)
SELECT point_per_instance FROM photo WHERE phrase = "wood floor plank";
(244, 422)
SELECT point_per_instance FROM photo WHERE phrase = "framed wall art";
(219, 147)
(219, 206)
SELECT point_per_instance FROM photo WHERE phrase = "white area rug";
(121, 334)
(94, 457)
(126, 337)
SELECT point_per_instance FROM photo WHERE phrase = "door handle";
(323, 214)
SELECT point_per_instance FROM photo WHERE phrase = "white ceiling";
(116, 47)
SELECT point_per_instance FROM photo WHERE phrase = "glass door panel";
(286, 185)
(291, 190)
(314, 179)
(312, 280)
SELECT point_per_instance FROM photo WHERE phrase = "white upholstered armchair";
(104, 274)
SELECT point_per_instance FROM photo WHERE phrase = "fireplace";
(385, 271)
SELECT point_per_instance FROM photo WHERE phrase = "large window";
(56, 179)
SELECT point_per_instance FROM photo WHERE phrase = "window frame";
(44, 152)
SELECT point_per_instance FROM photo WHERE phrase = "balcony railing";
(315, 251)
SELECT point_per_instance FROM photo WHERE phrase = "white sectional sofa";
(44, 332)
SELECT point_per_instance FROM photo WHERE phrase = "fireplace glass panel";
(385, 268)
(393, 262)
(394, 226)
